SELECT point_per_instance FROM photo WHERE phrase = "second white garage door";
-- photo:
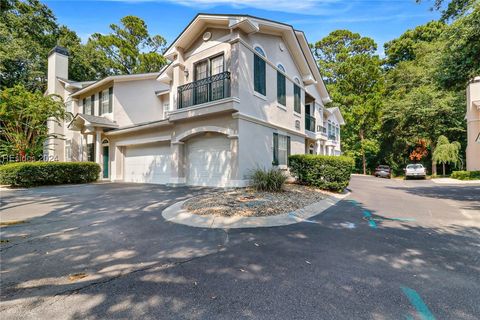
(147, 163)
(208, 160)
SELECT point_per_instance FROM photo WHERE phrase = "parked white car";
(415, 171)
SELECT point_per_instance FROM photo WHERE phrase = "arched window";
(281, 68)
(260, 51)
(296, 80)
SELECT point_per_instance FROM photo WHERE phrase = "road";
(393, 249)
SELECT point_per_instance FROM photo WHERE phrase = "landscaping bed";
(251, 203)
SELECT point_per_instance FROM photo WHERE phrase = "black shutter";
(256, 70)
(275, 149)
(259, 74)
(100, 104)
(92, 108)
(110, 99)
(281, 94)
(263, 77)
(83, 104)
(288, 148)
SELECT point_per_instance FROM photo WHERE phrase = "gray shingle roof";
(102, 121)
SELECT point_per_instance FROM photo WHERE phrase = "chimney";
(57, 67)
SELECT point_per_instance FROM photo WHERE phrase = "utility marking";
(417, 302)
(371, 222)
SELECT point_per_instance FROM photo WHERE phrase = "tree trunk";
(434, 164)
(364, 160)
(443, 164)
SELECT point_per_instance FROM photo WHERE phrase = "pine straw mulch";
(250, 203)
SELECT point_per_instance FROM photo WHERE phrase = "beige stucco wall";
(256, 146)
(473, 126)
(136, 102)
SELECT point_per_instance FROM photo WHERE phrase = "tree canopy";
(23, 119)
(129, 48)
(354, 79)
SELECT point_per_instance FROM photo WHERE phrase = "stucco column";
(234, 165)
(234, 64)
(84, 147)
(98, 147)
(177, 169)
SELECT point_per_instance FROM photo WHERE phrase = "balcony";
(309, 123)
(205, 90)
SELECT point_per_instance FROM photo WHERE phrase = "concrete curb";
(454, 181)
(176, 214)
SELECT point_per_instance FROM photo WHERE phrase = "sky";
(382, 20)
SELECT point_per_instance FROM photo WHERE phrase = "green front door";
(105, 162)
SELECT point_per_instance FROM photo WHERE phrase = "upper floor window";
(281, 68)
(259, 73)
(89, 105)
(260, 51)
(281, 88)
(105, 98)
(297, 98)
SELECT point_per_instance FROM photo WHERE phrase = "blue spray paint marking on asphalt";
(417, 302)
(371, 222)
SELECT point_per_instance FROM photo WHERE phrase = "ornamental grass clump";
(271, 180)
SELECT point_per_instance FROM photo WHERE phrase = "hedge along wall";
(29, 174)
(325, 172)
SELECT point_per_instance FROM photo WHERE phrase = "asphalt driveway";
(392, 250)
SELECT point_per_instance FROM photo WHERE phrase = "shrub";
(325, 172)
(268, 180)
(29, 174)
(465, 175)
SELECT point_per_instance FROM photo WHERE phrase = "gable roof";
(249, 24)
(338, 114)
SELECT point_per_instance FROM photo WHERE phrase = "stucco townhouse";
(239, 93)
(472, 117)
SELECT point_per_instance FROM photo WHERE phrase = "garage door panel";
(208, 161)
(147, 163)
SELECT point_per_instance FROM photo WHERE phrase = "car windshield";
(414, 166)
(383, 167)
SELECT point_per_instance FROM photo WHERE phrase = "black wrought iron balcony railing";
(208, 89)
(309, 123)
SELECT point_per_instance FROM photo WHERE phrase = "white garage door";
(147, 163)
(208, 160)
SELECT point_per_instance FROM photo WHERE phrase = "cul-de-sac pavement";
(392, 249)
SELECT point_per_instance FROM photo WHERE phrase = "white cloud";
(308, 7)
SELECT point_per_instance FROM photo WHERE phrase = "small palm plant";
(446, 152)
(268, 180)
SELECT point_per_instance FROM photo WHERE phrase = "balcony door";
(206, 88)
